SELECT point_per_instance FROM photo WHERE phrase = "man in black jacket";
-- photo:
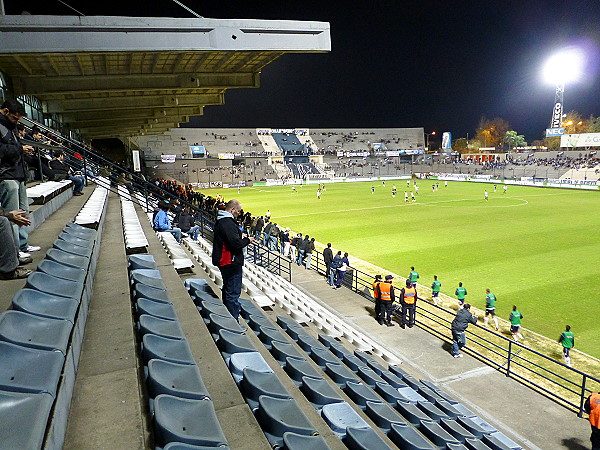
(228, 255)
(327, 259)
(459, 325)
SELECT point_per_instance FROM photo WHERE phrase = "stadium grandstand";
(119, 339)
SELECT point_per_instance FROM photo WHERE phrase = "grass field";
(533, 247)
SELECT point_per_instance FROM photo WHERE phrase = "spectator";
(328, 259)
(9, 255)
(592, 407)
(62, 171)
(187, 224)
(13, 195)
(310, 246)
(161, 221)
(341, 271)
(459, 325)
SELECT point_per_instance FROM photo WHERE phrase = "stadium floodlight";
(563, 67)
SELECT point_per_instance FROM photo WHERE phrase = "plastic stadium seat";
(353, 362)
(238, 362)
(72, 233)
(149, 277)
(369, 376)
(375, 366)
(29, 370)
(340, 374)
(23, 419)
(283, 350)
(476, 444)
(156, 309)
(55, 286)
(82, 232)
(432, 411)
(322, 357)
(214, 308)
(267, 335)
(186, 420)
(218, 322)
(278, 416)
(339, 350)
(449, 409)
(160, 295)
(412, 382)
(407, 437)
(294, 441)
(62, 271)
(319, 392)
(285, 322)
(411, 413)
(249, 308)
(297, 368)
(340, 416)
(388, 393)
(295, 331)
(456, 430)
(73, 248)
(68, 259)
(327, 341)
(72, 239)
(33, 331)
(430, 394)
(172, 350)
(499, 441)
(410, 395)
(257, 322)
(45, 305)
(393, 380)
(182, 446)
(307, 343)
(179, 380)
(398, 371)
(456, 446)
(360, 394)
(383, 415)
(255, 383)
(141, 262)
(476, 425)
(153, 325)
(234, 343)
(364, 439)
(436, 434)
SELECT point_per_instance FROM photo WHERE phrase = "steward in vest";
(376, 295)
(408, 299)
(386, 295)
(592, 407)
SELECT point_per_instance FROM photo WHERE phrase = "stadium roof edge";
(70, 60)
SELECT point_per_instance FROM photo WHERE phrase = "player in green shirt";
(515, 324)
(490, 309)
(413, 276)
(460, 293)
(436, 286)
(567, 339)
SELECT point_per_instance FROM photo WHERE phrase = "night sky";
(441, 65)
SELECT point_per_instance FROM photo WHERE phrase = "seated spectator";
(161, 221)
(62, 171)
(9, 256)
(187, 224)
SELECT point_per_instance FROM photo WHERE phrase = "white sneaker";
(458, 356)
(33, 248)
(24, 254)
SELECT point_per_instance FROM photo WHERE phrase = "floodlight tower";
(563, 67)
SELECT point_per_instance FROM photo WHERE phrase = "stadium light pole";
(563, 67)
(428, 134)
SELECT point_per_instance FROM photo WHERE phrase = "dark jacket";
(186, 221)
(228, 243)
(12, 165)
(462, 320)
(303, 244)
(327, 256)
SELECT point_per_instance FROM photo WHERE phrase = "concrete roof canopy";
(126, 76)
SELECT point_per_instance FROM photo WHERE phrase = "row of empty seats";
(413, 413)
(182, 410)
(93, 209)
(50, 196)
(135, 239)
(40, 342)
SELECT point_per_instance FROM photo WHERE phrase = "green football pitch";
(533, 247)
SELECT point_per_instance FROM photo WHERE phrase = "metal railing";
(271, 260)
(557, 381)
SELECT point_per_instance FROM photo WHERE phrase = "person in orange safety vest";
(377, 296)
(387, 297)
(592, 407)
(408, 300)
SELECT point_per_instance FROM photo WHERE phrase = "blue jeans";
(458, 341)
(332, 276)
(77, 183)
(300, 257)
(193, 232)
(232, 288)
(341, 274)
(175, 232)
(13, 195)
(307, 260)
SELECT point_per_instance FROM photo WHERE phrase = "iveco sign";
(557, 115)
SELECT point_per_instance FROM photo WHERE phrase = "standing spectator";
(286, 242)
(490, 309)
(62, 171)
(459, 325)
(335, 264)
(302, 249)
(227, 255)
(515, 323)
(460, 293)
(9, 255)
(328, 259)
(296, 241)
(161, 221)
(592, 407)
(413, 276)
(377, 297)
(408, 301)
(436, 287)
(310, 246)
(567, 339)
(387, 297)
(260, 223)
(13, 195)
(267, 233)
(268, 215)
(341, 271)
(274, 237)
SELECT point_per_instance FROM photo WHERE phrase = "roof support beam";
(112, 120)
(40, 85)
(123, 114)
